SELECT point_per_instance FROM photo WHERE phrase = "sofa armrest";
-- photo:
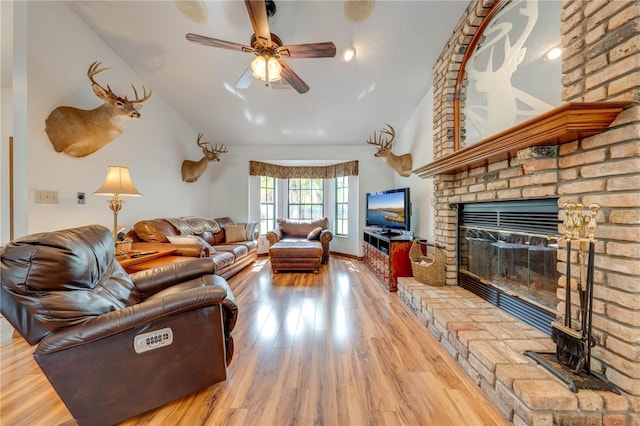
(274, 236)
(326, 236)
(151, 281)
(137, 315)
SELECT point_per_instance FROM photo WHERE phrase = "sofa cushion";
(155, 230)
(238, 250)
(223, 259)
(301, 228)
(235, 233)
(209, 237)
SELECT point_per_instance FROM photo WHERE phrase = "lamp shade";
(118, 182)
(266, 63)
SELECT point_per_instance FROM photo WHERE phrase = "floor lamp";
(117, 183)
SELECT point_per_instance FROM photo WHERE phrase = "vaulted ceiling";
(396, 44)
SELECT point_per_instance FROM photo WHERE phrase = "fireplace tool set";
(572, 361)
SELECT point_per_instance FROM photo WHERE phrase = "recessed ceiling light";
(553, 54)
(348, 53)
(357, 10)
(194, 10)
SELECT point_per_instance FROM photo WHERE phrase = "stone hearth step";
(488, 344)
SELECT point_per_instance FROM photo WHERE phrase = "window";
(342, 205)
(267, 204)
(306, 199)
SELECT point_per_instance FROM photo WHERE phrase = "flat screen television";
(389, 210)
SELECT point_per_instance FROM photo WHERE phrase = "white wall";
(59, 51)
(417, 138)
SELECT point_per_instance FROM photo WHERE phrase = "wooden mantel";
(563, 124)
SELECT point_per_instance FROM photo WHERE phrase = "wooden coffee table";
(141, 260)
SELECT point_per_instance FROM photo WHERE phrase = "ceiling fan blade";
(214, 42)
(257, 11)
(245, 80)
(293, 79)
(309, 50)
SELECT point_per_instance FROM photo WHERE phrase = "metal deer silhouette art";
(502, 102)
(192, 170)
(79, 132)
(402, 164)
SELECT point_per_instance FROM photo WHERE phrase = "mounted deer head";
(79, 132)
(402, 164)
(192, 170)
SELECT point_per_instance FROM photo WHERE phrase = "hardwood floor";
(333, 348)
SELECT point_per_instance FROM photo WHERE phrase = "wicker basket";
(428, 269)
(123, 247)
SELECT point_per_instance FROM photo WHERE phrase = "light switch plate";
(47, 197)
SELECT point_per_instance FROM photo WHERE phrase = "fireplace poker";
(567, 299)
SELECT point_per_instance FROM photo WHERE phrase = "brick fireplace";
(600, 63)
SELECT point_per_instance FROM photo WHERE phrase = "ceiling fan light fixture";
(263, 63)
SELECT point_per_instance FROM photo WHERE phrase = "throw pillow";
(185, 239)
(205, 244)
(251, 229)
(315, 234)
(234, 233)
(192, 239)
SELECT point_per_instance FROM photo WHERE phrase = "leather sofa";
(292, 231)
(229, 255)
(115, 345)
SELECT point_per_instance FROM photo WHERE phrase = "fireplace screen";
(520, 264)
(507, 254)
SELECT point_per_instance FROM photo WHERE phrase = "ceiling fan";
(269, 49)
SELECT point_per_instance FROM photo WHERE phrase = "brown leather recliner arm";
(151, 281)
(112, 323)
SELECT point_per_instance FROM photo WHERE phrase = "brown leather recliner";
(114, 345)
(300, 230)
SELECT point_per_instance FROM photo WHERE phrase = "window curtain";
(257, 168)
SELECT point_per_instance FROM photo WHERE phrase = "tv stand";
(388, 232)
(388, 256)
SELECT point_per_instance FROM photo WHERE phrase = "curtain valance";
(257, 168)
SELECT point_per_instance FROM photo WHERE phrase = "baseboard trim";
(349, 256)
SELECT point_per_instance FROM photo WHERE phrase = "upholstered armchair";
(114, 345)
(291, 230)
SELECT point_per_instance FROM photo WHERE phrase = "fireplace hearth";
(507, 254)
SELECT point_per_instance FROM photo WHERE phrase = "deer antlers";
(386, 143)
(79, 132)
(192, 170)
(210, 151)
(94, 70)
(402, 164)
